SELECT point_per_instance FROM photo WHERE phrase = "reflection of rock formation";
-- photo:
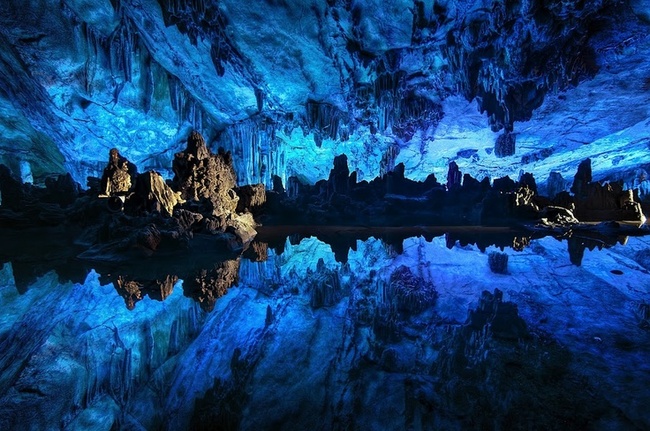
(257, 252)
(324, 286)
(500, 319)
(208, 285)
(602, 236)
(498, 262)
(409, 293)
(133, 290)
(492, 362)
(203, 285)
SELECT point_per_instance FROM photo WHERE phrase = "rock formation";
(153, 194)
(393, 199)
(208, 285)
(199, 175)
(119, 175)
(251, 198)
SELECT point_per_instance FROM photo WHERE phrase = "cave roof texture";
(287, 85)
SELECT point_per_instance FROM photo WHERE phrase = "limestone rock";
(557, 216)
(199, 174)
(555, 184)
(187, 220)
(338, 181)
(528, 180)
(454, 177)
(642, 184)
(504, 185)
(62, 190)
(251, 198)
(581, 179)
(154, 194)
(11, 189)
(243, 227)
(119, 175)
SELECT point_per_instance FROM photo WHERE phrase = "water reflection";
(373, 329)
(207, 275)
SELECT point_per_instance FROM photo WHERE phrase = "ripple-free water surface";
(406, 334)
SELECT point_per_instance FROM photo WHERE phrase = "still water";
(335, 330)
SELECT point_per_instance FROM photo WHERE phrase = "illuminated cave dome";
(287, 86)
(324, 215)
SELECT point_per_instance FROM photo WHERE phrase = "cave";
(324, 214)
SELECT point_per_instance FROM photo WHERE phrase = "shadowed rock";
(155, 195)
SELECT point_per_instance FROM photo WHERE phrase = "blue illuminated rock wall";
(288, 86)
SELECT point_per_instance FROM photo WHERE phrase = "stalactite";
(325, 118)
(121, 45)
(257, 152)
(215, 55)
(148, 354)
(147, 81)
(387, 163)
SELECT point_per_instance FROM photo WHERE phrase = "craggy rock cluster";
(200, 199)
(125, 214)
(203, 176)
(392, 200)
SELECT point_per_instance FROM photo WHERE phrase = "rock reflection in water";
(431, 338)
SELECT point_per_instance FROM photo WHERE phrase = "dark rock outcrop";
(339, 179)
(555, 184)
(454, 177)
(153, 194)
(62, 190)
(251, 198)
(581, 179)
(12, 190)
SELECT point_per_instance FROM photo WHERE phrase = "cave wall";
(288, 85)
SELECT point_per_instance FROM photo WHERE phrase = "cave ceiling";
(287, 85)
